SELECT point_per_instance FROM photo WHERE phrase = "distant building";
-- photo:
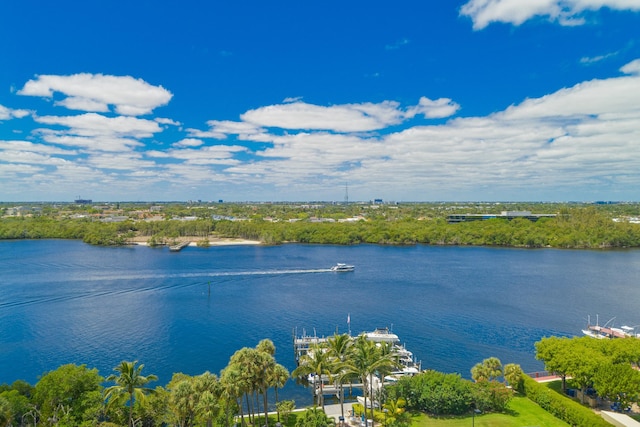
(115, 218)
(508, 215)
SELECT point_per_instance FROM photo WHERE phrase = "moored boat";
(608, 332)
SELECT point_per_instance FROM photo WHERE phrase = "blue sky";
(491, 100)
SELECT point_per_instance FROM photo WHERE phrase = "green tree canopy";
(70, 394)
(130, 383)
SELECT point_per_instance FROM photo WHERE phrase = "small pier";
(179, 246)
(408, 365)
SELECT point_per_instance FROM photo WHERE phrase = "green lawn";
(522, 412)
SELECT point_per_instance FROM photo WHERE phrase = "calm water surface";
(67, 302)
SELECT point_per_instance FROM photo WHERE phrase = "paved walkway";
(333, 411)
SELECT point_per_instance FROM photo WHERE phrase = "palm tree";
(208, 391)
(207, 407)
(129, 381)
(317, 362)
(395, 412)
(513, 375)
(264, 372)
(367, 360)
(489, 370)
(182, 401)
(233, 388)
(340, 348)
(243, 361)
(279, 379)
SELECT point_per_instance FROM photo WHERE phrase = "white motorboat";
(341, 267)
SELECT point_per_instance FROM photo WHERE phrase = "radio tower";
(346, 193)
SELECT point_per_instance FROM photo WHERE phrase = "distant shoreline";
(193, 241)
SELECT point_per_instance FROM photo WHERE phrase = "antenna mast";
(346, 193)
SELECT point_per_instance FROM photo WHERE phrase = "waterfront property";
(408, 364)
(608, 331)
(508, 215)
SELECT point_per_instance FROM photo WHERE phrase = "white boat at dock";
(608, 332)
(341, 267)
(408, 365)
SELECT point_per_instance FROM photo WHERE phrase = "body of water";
(68, 302)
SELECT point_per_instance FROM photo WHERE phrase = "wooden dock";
(179, 246)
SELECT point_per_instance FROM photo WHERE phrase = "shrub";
(560, 406)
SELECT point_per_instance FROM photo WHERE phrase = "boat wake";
(93, 293)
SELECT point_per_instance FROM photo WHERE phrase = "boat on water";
(607, 331)
(341, 267)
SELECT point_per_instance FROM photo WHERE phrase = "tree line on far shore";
(579, 227)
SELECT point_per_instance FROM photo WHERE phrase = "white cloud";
(221, 129)
(592, 98)
(165, 121)
(97, 132)
(92, 124)
(119, 161)
(338, 118)
(33, 147)
(434, 109)
(189, 142)
(210, 155)
(566, 12)
(632, 67)
(578, 134)
(95, 92)
(587, 133)
(588, 60)
(8, 113)
(90, 143)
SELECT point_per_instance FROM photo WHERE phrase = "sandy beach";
(193, 241)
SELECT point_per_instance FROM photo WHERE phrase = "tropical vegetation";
(74, 395)
(573, 226)
(607, 368)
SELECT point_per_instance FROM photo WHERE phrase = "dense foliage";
(74, 395)
(561, 406)
(606, 366)
(437, 393)
(579, 226)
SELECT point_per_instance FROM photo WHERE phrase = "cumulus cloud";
(586, 133)
(8, 113)
(189, 142)
(119, 161)
(565, 12)
(221, 129)
(632, 67)
(209, 155)
(96, 92)
(27, 146)
(97, 132)
(588, 99)
(338, 118)
(165, 121)
(581, 134)
(434, 109)
(91, 124)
